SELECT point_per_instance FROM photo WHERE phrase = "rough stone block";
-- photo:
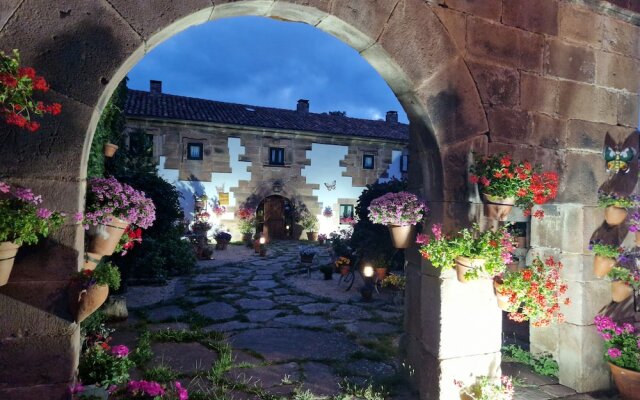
(628, 105)
(548, 132)
(564, 60)
(7, 8)
(583, 174)
(509, 125)
(617, 71)
(580, 357)
(587, 102)
(30, 321)
(490, 9)
(505, 45)
(620, 37)
(497, 86)
(412, 300)
(590, 136)
(538, 93)
(307, 11)
(572, 21)
(548, 232)
(539, 16)
(545, 339)
(53, 392)
(573, 223)
(456, 159)
(587, 298)
(456, 24)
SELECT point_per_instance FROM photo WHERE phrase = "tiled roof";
(167, 106)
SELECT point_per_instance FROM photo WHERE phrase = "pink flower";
(44, 213)
(437, 231)
(422, 238)
(4, 188)
(79, 216)
(120, 351)
(145, 388)
(76, 388)
(182, 392)
(614, 352)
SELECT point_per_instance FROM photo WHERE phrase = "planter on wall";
(8, 251)
(105, 238)
(503, 300)
(91, 260)
(638, 239)
(620, 291)
(110, 149)
(602, 266)
(615, 215)
(312, 236)
(84, 302)
(402, 236)
(464, 264)
(627, 382)
(497, 207)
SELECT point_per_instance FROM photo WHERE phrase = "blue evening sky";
(260, 61)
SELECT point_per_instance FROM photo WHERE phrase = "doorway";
(274, 217)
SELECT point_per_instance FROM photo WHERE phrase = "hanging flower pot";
(110, 149)
(465, 264)
(8, 251)
(627, 382)
(614, 215)
(381, 273)
(503, 300)
(312, 236)
(91, 260)
(497, 207)
(620, 291)
(602, 266)
(402, 236)
(105, 237)
(84, 302)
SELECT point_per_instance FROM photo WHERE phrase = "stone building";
(267, 158)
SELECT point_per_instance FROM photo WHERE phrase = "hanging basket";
(110, 149)
(84, 302)
(602, 266)
(620, 291)
(402, 236)
(627, 382)
(615, 215)
(91, 260)
(464, 264)
(312, 236)
(497, 207)
(105, 238)
(8, 251)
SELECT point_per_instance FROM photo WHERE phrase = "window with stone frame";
(368, 161)
(195, 151)
(276, 156)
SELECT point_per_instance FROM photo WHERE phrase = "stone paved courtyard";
(250, 327)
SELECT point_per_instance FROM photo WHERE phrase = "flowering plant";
(17, 85)
(219, 210)
(630, 277)
(130, 237)
(222, 236)
(108, 198)
(402, 208)
(347, 220)
(634, 220)
(394, 281)
(605, 250)
(500, 176)
(486, 388)
(201, 227)
(307, 251)
(309, 222)
(606, 199)
(22, 219)
(342, 262)
(104, 365)
(153, 390)
(104, 274)
(327, 212)
(535, 293)
(621, 343)
(322, 237)
(494, 247)
(247, 216)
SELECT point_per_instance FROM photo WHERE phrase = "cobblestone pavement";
(250, 327)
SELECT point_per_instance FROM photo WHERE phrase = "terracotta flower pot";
(312, 236)
(402, 236)
(602, 266)
(344, 270)
(306, 258)
(627, 382)
(464, 264)
(497, 207)
(615, 215)
(8, 251)
(620, 291)
(105, 238)
(513, 267)
(521, 242)
(84, 302)
(638, 239)
(110, 149)
(381, 273)
(503, 301)
(321, 241)
(91, 260)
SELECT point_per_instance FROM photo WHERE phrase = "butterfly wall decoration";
(618, 160)
(331, 186)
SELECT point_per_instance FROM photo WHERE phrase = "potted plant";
(322, 238)
(400, 212)
(605, 257)
(111, 207)
(487, 388)
(519, 235)
(394, 282)
(534, 293)
(623, 282)
(622, 352)
(471, 252)
(615, 206)
(17, 86)
(343, 265)
(222, 239)
(380, 264)
(504, 182)
(327, 270)
(307, 253)
(327, 212)
(309, 223)
(247, 217)
(89, 289)
(103, 366)
(634, 220)
(200, 227)
(22, 221)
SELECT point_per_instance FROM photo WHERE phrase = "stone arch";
(84, 51)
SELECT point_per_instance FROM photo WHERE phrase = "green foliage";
(605, 250)
(606, 199)
(161, 374)
(98, 366)
(107, 274)
(142, 354)
(309, 222)
(631, 278)
(543, 363)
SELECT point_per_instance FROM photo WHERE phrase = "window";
(367, 161)
(346, 214)
(404, 164)
(194, 151)
(276, 156)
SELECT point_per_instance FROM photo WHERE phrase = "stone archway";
(459, 71)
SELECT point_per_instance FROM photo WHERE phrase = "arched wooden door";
(274, 218)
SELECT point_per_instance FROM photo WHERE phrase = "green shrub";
(543, 363)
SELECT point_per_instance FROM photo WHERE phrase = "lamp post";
(367, 289)
(263, 247)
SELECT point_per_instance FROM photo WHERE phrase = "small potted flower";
(634, 219)
(343, 265)
(394, 282)
(322, 238)
(327, 212)
(400, 212)
(247, 217)
(200, 227)
(605, 257)
(615, 206)
(327, 270)
(22, 221)
(623, 281)
(380, 265)
(222, 239)
(471, 252)
(533, 293)
(309, 223)
(111, 207)
(90, 288)
(487, 388)
(307, 253)
(504, 182)
(622, 352)
(102, 367)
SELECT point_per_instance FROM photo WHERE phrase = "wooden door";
(274, 224)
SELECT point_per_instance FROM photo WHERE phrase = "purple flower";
(120, 351)
(145, 388)
(437, 231)
(76, 388)
(422, 238)
(4, 188)
(614, 352)
(44, 213)
(182, 392)
(79, 216)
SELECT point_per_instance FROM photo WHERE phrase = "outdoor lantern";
(367, 289)
(368, 271)
(277, 187)
(263, 240)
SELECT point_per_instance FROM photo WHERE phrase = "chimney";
(303, 106)
(392, 117)
(155, 87)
